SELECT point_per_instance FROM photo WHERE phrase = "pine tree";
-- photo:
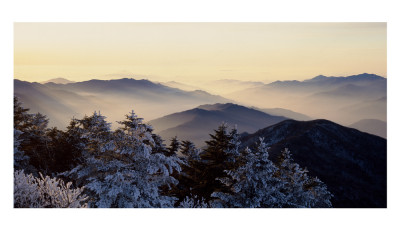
(189, 175)
(21, 117)
(173, 147)
(220, 154)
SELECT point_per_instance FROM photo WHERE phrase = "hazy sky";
(196, 52)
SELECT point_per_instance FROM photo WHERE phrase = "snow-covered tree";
(34, 192)
(26, 191)
(253, 183)
(96, 133)
(258, 182)
(32, 139)
(122, 170)
(20, 159)
(300, 189)
(193, 202)
(232, 149)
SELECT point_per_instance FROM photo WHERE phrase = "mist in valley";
(174, 109)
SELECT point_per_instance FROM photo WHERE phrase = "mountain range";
(353, 164)
(344, 100)
(114, 98)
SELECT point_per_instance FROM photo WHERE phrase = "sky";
(198, 52)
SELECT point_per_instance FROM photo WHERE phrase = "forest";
(89, 165)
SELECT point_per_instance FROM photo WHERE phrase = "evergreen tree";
(220, 154)
(173, 147)
(94, 134)
(32, 139)
(189, 151)
(22, 120)
(158, 145)
(300, 189)
(122, 171)
(64, 153)
(21, 161)
(252, 184)
(258, 182)
(188, 178)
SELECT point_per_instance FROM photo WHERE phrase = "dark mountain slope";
(350, 162)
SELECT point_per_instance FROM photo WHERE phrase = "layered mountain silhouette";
(196, 124)
(114, 98)
(352, 163)
(344, 100)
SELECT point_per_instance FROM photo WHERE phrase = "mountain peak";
(319, 77)
(58, 80)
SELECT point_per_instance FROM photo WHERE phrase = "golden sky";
(197, 52)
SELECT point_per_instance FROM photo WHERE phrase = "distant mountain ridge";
(353, 164)
(344, 99)
(323, 82)
(115, 98)
(196, 124)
